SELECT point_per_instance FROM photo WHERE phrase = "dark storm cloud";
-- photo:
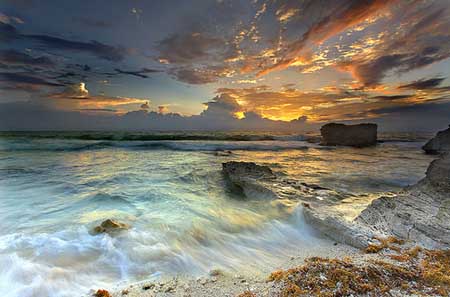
(196, 58)
(195, 76)
(8, 32)
(89, 22)
(16, 58)
(100, 50)
(425, 41)
(187, 48)
(138, 73)
(95, 48)
(98, 110)
(423, 84)
(391, 97)
(25, 78)
(438, 108)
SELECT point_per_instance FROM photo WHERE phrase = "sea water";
(185, 220)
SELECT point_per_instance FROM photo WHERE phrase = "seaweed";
(247, 294)
(102, 293)
(385, 243)
(412, 271)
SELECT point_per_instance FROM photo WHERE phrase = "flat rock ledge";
(420, 214)
(439, 144)
(259, 182)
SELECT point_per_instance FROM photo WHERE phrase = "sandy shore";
(224, 283)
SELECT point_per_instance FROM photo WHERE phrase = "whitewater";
(185, 219)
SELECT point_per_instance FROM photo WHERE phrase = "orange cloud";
(354, 14)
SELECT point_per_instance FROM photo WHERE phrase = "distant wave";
(155, 136)
(210, 146)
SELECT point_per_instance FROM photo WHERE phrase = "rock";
(257, 181)
(221, 153)
(251, 178)
(360, 135)
(438, 144)
(216, 272)
(110, 226)
(332, 225)
(420, 214)
(247, 169)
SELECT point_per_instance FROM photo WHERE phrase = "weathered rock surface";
(337, 228)
(420, 213)
(110, 226)
(257, 181)
(360, 135)
(438, 144)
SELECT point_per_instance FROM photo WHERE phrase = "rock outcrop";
(438, 144)
(257, 181)
(360, 135)
(420, 214)
(110, 226)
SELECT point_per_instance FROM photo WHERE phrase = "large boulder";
(359, 135)
(439, 144)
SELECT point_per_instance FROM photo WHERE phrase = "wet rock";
(360, 135)
(221, 153)
(438, 144)
(246, 169)
(420, 214)
(259, 182)
(216, 272)
(110, 226)
(254, 180)
(335, 227)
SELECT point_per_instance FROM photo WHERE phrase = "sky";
(224, 64)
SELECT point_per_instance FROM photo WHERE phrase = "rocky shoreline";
(398, 227)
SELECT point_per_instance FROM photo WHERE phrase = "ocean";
(185, 220)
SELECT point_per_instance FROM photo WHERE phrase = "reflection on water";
(184, 219)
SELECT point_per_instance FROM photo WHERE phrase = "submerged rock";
(110, 226)
(438, 144)
(359, 135)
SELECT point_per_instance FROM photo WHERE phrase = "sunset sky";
(223, 64)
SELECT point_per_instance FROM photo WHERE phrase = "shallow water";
(184, 218)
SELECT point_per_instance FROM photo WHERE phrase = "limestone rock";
(420, 214)
(360, 135)
(110, 226)
(330, 224)
(438, 144)
(257, 181)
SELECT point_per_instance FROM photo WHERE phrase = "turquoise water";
(184, 218)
